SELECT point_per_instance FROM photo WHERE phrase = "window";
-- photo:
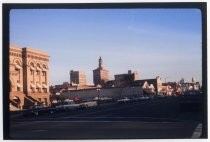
(18, 88)
(32, 72)
(38, 90)
(32, 90)
(45, 90)
(45, 101)
(37, 72)
(39, 99)
(43, 73)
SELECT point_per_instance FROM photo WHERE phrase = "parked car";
(69, 105)
(123, 100)
(102, 99)
(138, 98)
(38, 111)
(86, 104)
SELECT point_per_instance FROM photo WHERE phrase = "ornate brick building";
(100, 75)
(29, 83)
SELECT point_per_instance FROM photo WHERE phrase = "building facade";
(29, 77)
(16, 93)
(123, 80)
(100, 75)
(156, 82)
(77, 77)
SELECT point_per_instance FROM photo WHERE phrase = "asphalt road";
(162, 118)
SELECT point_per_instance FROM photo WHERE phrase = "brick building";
(29, 73)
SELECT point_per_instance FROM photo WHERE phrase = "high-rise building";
(100, 75)
(29, 84)
(77, 77)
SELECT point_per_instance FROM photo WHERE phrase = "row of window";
(29, 56)
(15, 54)
(38, 82)
(38, 58)
(33, 90)
(39, 90)
(38, 72)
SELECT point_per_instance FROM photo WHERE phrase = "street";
(149, 119)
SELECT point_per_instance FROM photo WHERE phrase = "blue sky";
(153, 42)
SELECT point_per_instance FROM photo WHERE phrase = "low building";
(114, 93)
(156, 82)
(123, 80)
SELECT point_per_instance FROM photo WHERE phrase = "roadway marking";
(23, 123)
(85, 121)
(198, 131)
(39, 130)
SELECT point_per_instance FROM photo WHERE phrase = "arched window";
(32, 68)
(44, 67)
(44, 70)
(17, 69)
(38, 69)
(17, 65)
(44, 77)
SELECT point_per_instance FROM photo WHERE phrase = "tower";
(100, 63)
(193, 80)
(100, 75)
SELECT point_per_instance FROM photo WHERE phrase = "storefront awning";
(18, 66)
(32, 68)
(19, 85)
(32, 85)
(43, 69)
(39, 69)
(38, 85)
(44, 85)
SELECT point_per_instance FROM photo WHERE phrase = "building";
(156, 82)
(171, 88)
(29, 73)
(100, 75)
(123, 80)
(16, 94)
(77, 77)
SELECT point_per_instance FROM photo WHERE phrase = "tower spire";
(100, 63)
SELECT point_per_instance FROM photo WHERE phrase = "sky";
(153, 42)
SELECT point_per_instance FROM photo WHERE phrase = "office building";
(77, 77)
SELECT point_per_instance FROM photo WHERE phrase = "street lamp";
(133, 90)
(165, 79)
(98, 90)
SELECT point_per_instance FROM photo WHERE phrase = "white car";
(102, 99)
(70, 105)
(88, 104)
(141, 98)
(123, 100)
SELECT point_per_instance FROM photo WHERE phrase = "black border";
(6, 7)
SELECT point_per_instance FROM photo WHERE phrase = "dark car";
(38, 111)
